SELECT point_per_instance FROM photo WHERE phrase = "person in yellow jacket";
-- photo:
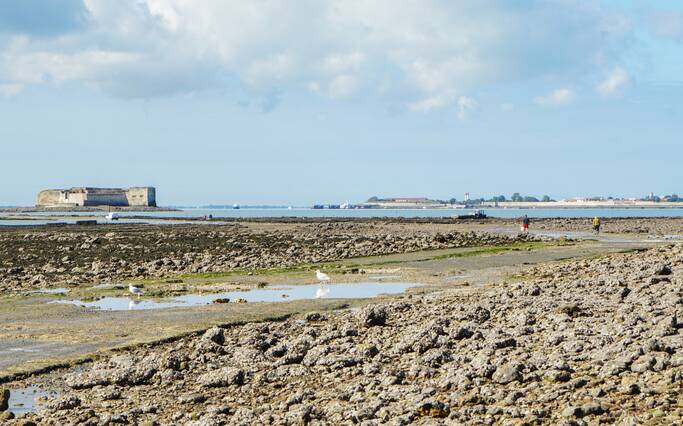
(596, 225)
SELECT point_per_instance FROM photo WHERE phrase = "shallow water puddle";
(27, 400)
(297, 292)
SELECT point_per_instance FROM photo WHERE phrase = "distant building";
(411, 200)
(84, 197)
(400, 202)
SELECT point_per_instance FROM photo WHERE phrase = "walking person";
(525, 223)
(596, 225)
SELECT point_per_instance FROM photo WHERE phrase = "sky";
(321, 101)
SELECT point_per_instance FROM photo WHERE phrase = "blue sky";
(299, 102)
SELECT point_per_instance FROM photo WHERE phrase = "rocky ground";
(652, 226)
(39, 257)
(579, 342)
(617, 225)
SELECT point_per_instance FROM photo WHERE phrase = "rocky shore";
(40, 257)
(579, 342)
(656, 226)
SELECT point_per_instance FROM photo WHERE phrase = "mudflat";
(504, 327)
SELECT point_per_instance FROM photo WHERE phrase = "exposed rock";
(506, 373)
(373, 315)
(4, 399)
(224, 377)
(215, 335)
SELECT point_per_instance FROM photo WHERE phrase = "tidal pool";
(362, 290)
(27, 400)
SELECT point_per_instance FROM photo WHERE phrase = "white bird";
(322, 277)
(135, 290)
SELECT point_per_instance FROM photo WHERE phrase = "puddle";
(60, 290)
(28, 400)
(26, 350)
(280, 294)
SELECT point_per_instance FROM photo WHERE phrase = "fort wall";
(86, 196)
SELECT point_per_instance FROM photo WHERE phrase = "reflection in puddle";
(27, 400)
(322, 292)
(298, 292)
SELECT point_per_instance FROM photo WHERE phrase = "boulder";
(371, 316)
(506, 373)
(4, 399)
(223, 377)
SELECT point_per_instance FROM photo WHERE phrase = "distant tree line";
(666, 198)
(516, 197)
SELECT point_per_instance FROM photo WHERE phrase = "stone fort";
(84, 196)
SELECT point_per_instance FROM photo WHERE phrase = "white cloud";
(342, 85)
(433, 102)
(343, 62)
(421, 53)
(277, 67)
(614, 81)
(465, 105)
(557, 97)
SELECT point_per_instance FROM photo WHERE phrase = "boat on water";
(112, 216)
(477, 214)
(235, 206)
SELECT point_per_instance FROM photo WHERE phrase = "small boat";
(236, 206)
(477, 214)
(112, 216)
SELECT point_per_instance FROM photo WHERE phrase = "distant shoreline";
(536, 205)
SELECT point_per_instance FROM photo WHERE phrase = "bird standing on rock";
(135, 290)
(322, 277)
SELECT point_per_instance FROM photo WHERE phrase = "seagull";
(134, 290)
(322, 277)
